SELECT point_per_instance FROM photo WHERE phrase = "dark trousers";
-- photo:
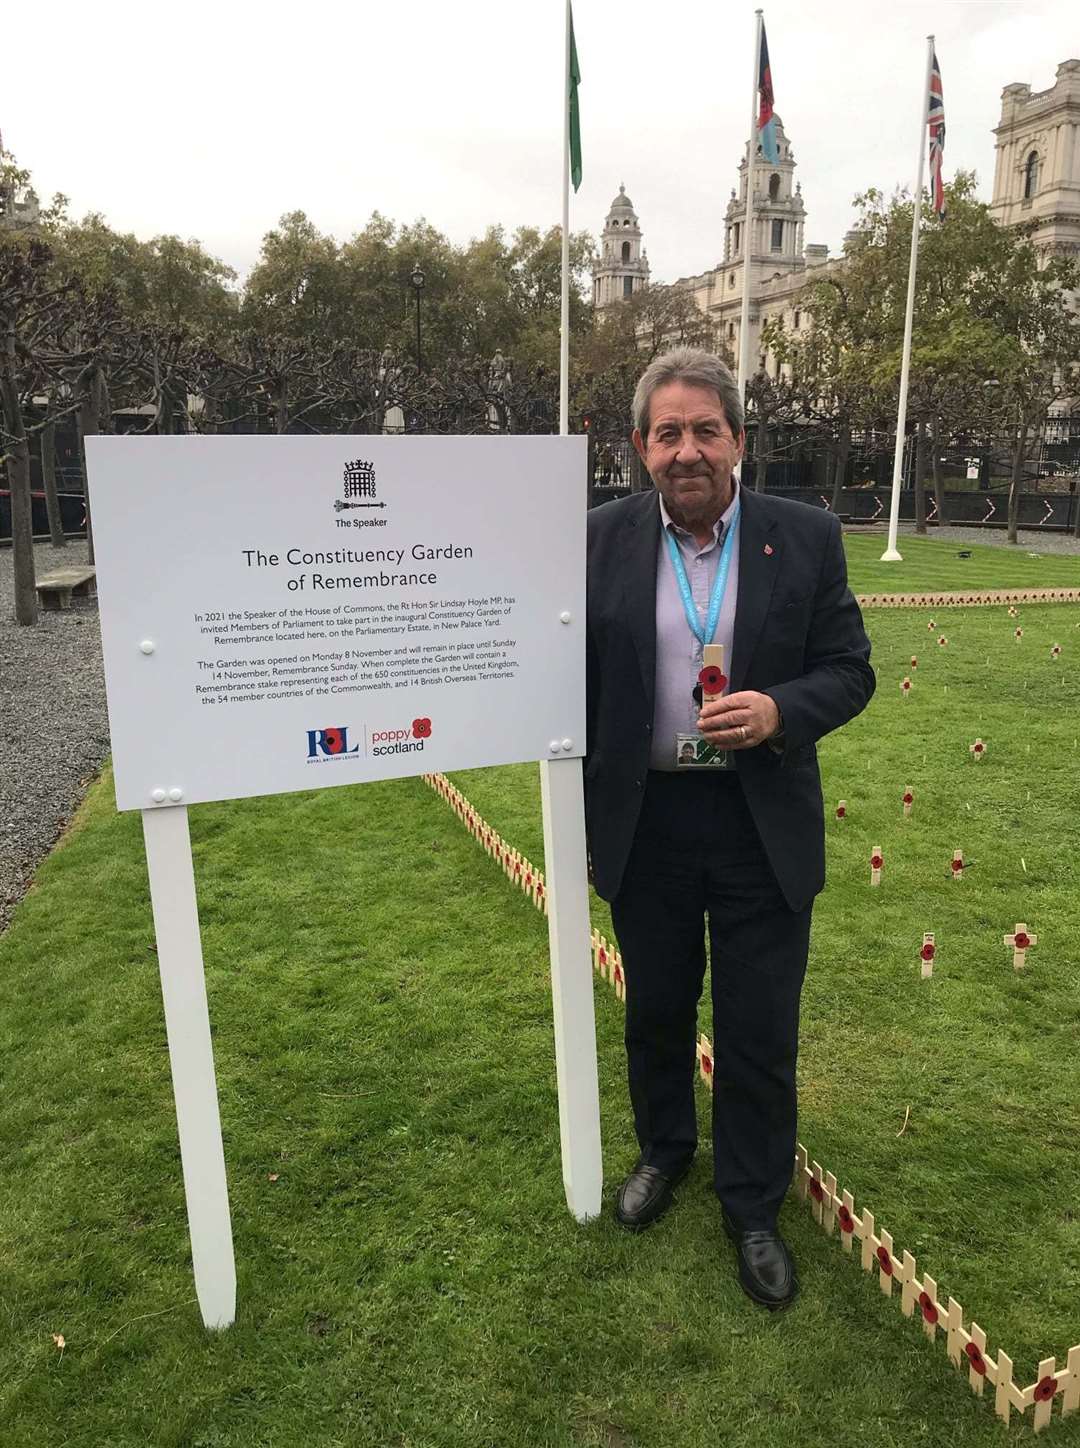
(697, 855)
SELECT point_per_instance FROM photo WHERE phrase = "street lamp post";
(417, 280)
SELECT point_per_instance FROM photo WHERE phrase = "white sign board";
(284, 613)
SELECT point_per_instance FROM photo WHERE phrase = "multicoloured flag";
(766, 124)
(936, 122)
(575, 118)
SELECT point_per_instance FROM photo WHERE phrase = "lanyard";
(704, 635)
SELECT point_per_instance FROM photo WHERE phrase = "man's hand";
(739, 721)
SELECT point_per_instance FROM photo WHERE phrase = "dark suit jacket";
(798, 637)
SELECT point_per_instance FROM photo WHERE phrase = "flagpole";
(892, 554)
(748, 220)
(564, 316)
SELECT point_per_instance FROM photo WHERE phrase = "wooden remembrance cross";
(505, 518)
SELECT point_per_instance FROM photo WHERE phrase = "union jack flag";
(936, 122)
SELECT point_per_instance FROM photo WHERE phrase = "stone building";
(1037, 172)
(1036, 178)
(622, 267)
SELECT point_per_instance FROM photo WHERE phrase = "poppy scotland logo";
(421, 728)
(329, 743)
(409, 739)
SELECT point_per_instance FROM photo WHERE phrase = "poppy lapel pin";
(768, 550)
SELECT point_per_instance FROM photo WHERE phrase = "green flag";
(575, 118)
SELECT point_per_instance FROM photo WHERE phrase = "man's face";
(690, 451)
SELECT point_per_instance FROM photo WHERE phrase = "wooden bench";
(56, 590)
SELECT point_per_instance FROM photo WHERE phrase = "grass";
(931, 566)
(383, 1046)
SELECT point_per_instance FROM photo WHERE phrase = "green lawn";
(383, 1043)
(932, 566)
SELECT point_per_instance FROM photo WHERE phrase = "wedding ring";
(744, 733)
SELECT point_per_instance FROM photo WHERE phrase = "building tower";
(779, 216)
(623, 266)
(1037, 173)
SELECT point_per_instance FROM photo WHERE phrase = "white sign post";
(288, 613)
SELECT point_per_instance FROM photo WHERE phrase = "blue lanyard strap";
(704, 635)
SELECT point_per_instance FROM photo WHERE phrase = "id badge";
(693, 751)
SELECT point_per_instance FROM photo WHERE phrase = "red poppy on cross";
(1021, 941)
(978, 749)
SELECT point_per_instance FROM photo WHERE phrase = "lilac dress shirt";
(678, 652)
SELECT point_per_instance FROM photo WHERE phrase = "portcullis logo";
(324, 744)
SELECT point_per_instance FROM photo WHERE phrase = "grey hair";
(695, 367)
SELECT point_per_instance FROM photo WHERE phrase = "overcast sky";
(211, 120)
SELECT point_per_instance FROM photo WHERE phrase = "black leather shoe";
(766, 1271)
(645, 1195)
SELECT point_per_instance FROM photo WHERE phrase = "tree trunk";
(48, 475)
(1016, 482)
(1076, 521)
(939, 476)
(840, 463)
(920, 474)
(281, 407)
(761, 454)
(18, 472)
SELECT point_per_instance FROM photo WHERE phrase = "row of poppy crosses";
(831, 1208)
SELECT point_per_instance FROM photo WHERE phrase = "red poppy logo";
(976, 1359)
(334, 741)
(712, 681)
(421, 728)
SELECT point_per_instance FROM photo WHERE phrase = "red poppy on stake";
(816, 1190)
(846, 1220)
(929, 1311)
(712, 681)
(841, 810)
(1045, 1389)
(1021, 940)
(976, 1359)
(885, 1261)
(927, 952)
(876, 862)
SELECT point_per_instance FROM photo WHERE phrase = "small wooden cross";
(1019, 634)
(914, 661)
(908, 798)
(931, 626)
(712, 678)
(927, 953)
(705, 1059)
(978, 749)
(841, 809)
(877, 860)
(905, 687)
(1055, 652)
(1021, 941)
(942, 641)
(957, 866)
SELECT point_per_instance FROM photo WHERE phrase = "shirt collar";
(721, 524)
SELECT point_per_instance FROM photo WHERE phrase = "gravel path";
(1031, 540)
(54, 732)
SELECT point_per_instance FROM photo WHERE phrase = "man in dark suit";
(740, 841)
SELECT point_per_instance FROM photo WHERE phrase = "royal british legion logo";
(329, 744)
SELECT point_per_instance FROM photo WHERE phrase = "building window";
(1031, 175)
(778, 236)
(626, 251)
(731, 279)
(774, 187)
(737, 229)
(731, 329)
(628, 286)
(795, 324)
